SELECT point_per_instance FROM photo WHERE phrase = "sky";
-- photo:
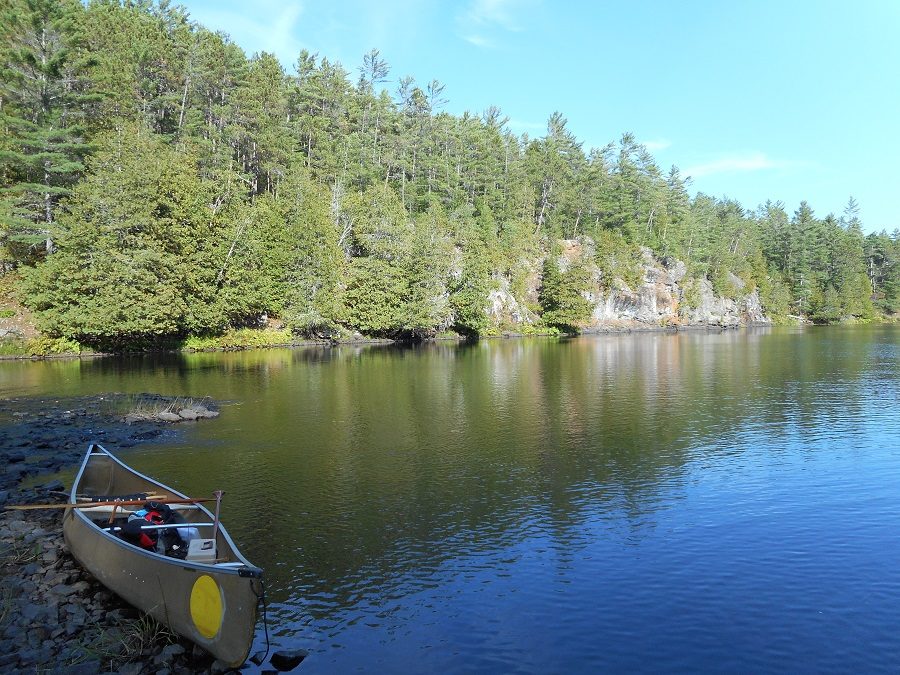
(786, 100)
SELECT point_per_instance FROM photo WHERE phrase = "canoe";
(210, 597)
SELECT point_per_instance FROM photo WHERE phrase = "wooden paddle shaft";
(88, 505)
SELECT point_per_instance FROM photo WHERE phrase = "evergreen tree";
(43, 148)
(135, 260)
(562, 292)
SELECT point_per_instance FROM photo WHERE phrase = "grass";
(20, 553)
(128, 641)
(139, 635)
(147, 406)
(6, 603)
(242, 338)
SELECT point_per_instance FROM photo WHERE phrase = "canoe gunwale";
(246, 570)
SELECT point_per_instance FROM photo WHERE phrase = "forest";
(156, 182)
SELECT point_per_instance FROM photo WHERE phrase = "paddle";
(168, 526)
(90, 505)
(108, 498)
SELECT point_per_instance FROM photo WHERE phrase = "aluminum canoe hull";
(214, 605)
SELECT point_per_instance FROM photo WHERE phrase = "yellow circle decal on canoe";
(206, 606)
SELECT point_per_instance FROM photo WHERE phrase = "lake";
(643, 502)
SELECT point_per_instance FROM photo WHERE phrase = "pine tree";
(41, 156)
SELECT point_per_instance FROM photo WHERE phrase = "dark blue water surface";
(655, 502)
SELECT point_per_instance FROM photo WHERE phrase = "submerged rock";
(288, 659)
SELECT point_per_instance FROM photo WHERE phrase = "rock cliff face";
(666, 298)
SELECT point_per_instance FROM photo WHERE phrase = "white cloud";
(274, 32)
(481, 17)
(493, 12)
(480, 41)
(756, 161)
(657, 145)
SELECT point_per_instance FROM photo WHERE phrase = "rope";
(261, 599)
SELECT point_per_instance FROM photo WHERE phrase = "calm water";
(725, 502)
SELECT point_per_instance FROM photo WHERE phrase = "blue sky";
(783, 100)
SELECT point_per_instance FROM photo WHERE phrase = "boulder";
(288, 659)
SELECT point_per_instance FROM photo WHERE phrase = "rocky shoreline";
(54, 616)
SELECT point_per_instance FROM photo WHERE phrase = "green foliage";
(376, 290)
(618, 259)
(48, 346)
(775, 297)
(562, 293)
(136, 259)
(241, 338)
(469, 292)
(225, 191)
(313, 260)
(42, 147)
(691, 295)
(723, 284)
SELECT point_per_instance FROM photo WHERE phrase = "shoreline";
(57, 617)
(606, 329)
(54, 616)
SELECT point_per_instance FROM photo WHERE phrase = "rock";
(86, 668)
(27, 657)
(168, 417)
(131, 418)
(168, 654)
(131, 669)
(19, 527)
(288, 659)
(15, 457)
(188, 414)
(62, 590)
(77, 616)
(34, 535)
(15, 472)
(80, 587)
(33, 613)
(54, 577)
(53, 486)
